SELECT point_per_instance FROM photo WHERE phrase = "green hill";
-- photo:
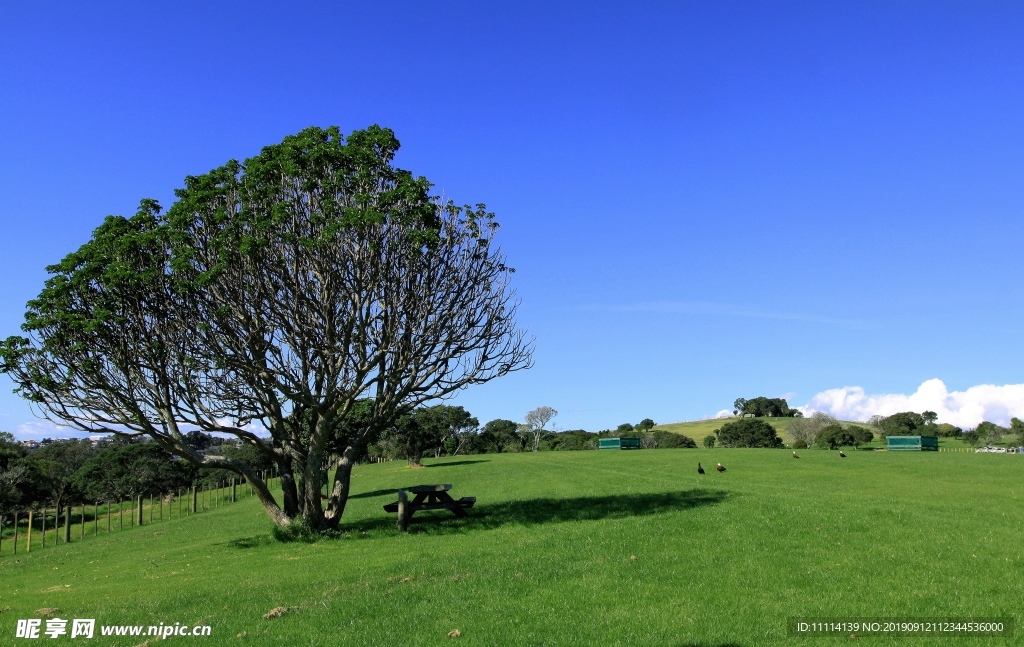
(568, 548)
(701, 428)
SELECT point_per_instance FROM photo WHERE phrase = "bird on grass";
(841, 454)
(795, 456)
(700, 470)
(720, 468)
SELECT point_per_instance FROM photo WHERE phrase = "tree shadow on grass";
(547, 510)
(450, 464)
(251, 542)
(373, 493)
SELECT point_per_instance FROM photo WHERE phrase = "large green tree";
(748, 432)
(271, 297)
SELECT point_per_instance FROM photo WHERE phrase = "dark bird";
(720, 468)
(841, 454)
(700, 470)
(795, 456)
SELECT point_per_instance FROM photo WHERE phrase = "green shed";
(912, 443)
(618, 443)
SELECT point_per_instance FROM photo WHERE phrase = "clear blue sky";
(704, 200)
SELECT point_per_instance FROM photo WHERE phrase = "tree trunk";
(312, 509)
(278, 516)
(342, 487)
(289, 490)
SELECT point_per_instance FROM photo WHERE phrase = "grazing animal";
(700, 470)
(841, 454)
(720, 468)
(795, 456)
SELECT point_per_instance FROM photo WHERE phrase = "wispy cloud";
(39, 429)
(726, 310)
(964, 409)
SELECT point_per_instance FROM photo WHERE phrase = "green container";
(912, 443)
(618, 443)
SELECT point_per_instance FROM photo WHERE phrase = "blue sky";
(703, 200)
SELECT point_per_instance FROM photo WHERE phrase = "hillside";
(701, 428)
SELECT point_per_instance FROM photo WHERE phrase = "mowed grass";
(572, 548)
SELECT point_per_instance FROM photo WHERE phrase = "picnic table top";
(440, 487)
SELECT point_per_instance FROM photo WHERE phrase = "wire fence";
(46, 527)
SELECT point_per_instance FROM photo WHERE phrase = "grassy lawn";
(572, 548)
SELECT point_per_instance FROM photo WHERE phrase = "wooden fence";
(41, 527)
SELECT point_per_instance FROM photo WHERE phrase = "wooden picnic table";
(428, 497)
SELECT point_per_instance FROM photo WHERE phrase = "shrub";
(668, 440)
(799, 445)
(709, 441)
(834, 436)
(748, 432)
(861, 435)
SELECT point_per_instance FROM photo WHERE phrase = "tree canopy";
(762, 407)
(273, 296)
(748, 432)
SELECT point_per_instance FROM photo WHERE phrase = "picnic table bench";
(428, 497)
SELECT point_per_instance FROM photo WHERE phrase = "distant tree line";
(68, 472)
(444, 430)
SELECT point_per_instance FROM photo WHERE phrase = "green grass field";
(572, 548)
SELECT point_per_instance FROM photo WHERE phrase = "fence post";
(1, 534)
(81, 534)
(96, 519)
(195, 499)
(108, 516)
(234, 491)
(28, 542)
(120, 513)
(43, 545)
(15, 533)
(139, 511)
(67, 523)
(150, 508)
(161, 507)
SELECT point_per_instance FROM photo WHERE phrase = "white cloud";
(39, 429)
(964, 409)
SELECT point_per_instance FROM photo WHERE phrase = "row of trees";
(910, 423)
(820, 430)
(69, 472)
(444, 430)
